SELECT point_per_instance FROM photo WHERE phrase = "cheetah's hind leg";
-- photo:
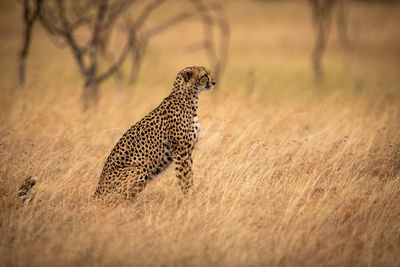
(137, 182)
(125, 183)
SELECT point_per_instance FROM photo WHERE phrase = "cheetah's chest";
(196, 128)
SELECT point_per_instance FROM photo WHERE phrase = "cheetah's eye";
(204, 79)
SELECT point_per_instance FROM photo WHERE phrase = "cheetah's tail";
(28, 183)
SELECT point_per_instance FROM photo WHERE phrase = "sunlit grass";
(288, 172)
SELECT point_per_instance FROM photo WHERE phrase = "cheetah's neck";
(191, 94)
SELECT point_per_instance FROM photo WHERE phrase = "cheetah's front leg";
(183, 171)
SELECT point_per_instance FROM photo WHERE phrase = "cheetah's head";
(199, 77)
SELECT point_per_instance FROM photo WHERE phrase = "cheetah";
(167, 134)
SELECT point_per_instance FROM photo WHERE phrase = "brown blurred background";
(269, 45)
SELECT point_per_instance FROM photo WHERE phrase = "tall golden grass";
(285, 173)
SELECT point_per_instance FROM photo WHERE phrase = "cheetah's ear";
(187, 74)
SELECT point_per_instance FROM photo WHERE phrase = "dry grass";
(284, 174)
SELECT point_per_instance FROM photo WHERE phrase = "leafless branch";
(114, 67)
(144, 15)
(62, 20)
(167, 24)
(213, 16)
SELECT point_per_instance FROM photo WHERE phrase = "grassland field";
(287, 172)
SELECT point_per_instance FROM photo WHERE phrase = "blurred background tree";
(322, 11)
(87, 28)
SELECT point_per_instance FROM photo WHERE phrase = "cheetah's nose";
(213, 82)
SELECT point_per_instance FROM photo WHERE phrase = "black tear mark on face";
(206, 81)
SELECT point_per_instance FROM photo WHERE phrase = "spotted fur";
(167, 134)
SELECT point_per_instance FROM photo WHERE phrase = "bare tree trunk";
(318, 50)
(90, 92)
(29, 18)
(24, 52)
(138, 56)
(322, 14)
(342, 25)
(90, 95)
